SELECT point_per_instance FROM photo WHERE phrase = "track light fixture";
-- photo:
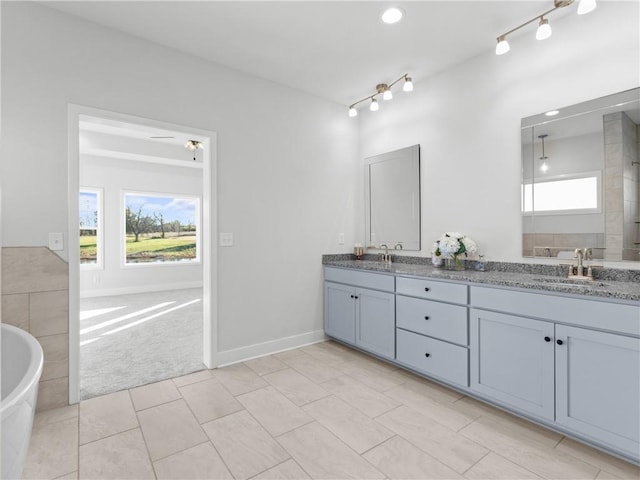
(544, 29)
(384, 90)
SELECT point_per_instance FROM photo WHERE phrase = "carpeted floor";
(131, 340)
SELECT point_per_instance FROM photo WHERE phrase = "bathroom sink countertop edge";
(606, 289)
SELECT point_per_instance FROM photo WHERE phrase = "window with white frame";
(563, 194)
(161, 228)
(90, 222)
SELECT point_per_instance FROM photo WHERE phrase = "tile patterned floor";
(322, 411)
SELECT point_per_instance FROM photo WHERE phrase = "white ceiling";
(338, 50)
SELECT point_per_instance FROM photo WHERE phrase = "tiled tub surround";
(322, 411)
(542, 350)
(35, 297)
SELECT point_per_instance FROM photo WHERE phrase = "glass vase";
(454, 263)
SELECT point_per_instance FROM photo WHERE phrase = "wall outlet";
(341, 239)
(56, 242)
(226, 240)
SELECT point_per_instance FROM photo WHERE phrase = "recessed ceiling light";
(552, 113)
(392, 15)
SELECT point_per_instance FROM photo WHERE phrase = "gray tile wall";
(35, 297)
(535, 244)
(613, 168)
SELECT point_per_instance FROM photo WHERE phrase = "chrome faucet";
(579, 255)
(398, 246)
(386, 258)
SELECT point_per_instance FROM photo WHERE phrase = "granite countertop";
(601, 288)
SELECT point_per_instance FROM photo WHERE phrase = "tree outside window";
(161, 228)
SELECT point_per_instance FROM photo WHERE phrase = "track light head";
(352, 111)
(384, 89)
(586, 6)
(408, 84)
(374, 105)
(544, 29)
(502, 46)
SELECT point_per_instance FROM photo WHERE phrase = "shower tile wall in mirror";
(581, 179)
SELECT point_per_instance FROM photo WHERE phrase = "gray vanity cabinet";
(565, 361)
(575, 365)
(512, 361)
(340, 312)
(431, 328)
(364, 317)
(598, 386)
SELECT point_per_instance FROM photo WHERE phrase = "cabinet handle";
(426, 289)
(427, 355)
(356, 297)
(547, 339)
(353, 296)
(426, 317)
(559, 342)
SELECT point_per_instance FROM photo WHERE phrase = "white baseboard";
(108, 292)
(242, 354)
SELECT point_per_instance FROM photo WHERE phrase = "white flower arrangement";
(451, 245)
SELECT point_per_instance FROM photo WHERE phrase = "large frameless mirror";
(581, 179)
(392, 209)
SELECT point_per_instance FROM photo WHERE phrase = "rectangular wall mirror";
(392, 206)
(581, 179)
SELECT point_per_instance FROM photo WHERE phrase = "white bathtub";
(21, 366)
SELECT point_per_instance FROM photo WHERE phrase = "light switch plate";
(341, 239)
(56, 242)
(226, 240)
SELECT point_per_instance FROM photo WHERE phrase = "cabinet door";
(340, 311)
(512, 361)
(375, 322)
(598, 386)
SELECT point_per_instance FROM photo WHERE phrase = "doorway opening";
(142, 265)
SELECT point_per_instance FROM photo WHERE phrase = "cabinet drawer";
(432, 290)
(433, 357)
(595, 313)
(440, 320)
(376, 281)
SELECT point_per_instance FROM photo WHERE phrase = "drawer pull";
(547, 339)
(426, 289)
(426, 317)
(427, 355)
(559, 342)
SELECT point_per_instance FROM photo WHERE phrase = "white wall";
(115, 177)
(287, 162)
(467, 120)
